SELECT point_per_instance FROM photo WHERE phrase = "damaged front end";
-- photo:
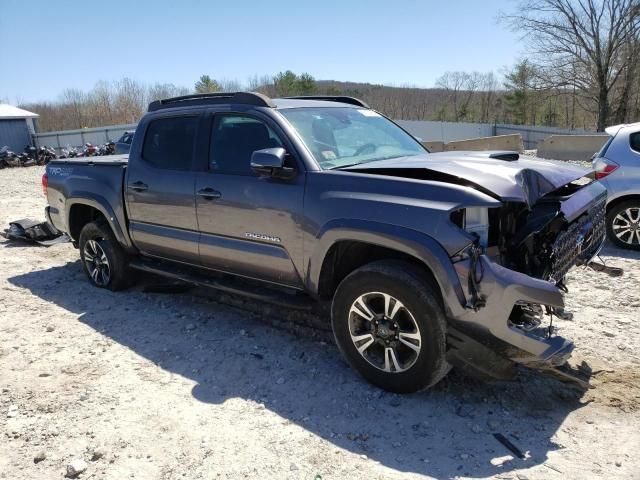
(513, 276)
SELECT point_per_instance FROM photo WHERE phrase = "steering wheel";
(371, 147)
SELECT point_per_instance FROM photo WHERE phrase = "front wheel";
(623, 224)
(390, 326)
(103, 259)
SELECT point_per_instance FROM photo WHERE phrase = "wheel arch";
(82, 210)
(621, 199)
(345, 246)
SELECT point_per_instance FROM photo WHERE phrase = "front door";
(248, 224)
(159, 190)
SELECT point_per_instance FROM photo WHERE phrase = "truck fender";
(100, 203)
(416, 244)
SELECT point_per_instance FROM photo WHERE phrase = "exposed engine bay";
(540, 241)
(540, 220)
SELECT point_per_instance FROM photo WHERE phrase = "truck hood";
(501, 174)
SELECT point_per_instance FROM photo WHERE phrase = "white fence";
(76, 138)
(425, 130)
(532, 135)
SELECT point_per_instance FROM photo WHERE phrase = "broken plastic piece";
(611, 271)
(29, 230)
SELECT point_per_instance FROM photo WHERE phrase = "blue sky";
(47, 46)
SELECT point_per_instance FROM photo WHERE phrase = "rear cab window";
(169, 142)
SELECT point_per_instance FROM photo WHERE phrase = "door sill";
(282, 296)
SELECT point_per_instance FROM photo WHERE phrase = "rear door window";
(169, 142)
(234, 139)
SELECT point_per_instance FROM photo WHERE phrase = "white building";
(16, 127)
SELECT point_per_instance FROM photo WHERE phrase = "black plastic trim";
(246, 98)
(332, 98)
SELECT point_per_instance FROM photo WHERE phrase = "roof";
(9, 111)
(613, 130)
(256, 99)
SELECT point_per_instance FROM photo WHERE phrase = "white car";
(617, 166)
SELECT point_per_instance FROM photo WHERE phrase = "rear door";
(159, 189)
(249, 224)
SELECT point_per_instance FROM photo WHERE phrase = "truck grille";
(580, 242)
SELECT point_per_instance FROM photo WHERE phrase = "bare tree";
(453, 83)
(74, 100)
(581, 44)
(488, 87)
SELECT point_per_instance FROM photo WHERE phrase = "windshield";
(340, 136)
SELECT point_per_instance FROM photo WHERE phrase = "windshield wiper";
(362, 163)
(337, 167)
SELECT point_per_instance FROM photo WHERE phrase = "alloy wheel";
(384, 332)
(97, 263)
(626, 226)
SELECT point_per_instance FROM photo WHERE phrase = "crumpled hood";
(525, 180)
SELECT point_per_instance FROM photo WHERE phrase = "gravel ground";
(168, 386)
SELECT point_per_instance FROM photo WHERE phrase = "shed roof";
(9, 111)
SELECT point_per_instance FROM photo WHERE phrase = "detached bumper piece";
(27, 230)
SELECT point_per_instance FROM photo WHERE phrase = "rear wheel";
(389, 324)
(623, 224)
(103, 259)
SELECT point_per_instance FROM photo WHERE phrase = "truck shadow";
(232, 353)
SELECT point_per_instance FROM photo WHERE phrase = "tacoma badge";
(262, 236)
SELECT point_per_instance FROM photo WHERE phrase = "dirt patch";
(619, 389)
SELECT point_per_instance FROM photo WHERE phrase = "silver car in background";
(617, 166)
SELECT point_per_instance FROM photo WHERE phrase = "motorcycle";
(29, 156)
(69, 152)
(89, 150)
(108, 148)
(45, 155)
(10, 159)
(4, 153)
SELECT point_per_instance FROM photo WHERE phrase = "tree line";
(582, 71)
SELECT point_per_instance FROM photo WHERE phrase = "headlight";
(473, 220)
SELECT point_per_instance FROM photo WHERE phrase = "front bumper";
(501, 289)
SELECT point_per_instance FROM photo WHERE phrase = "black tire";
(104, 241)
(618, 219)
(421, 307)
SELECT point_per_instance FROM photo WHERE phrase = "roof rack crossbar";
(333, 98)
(246, 98)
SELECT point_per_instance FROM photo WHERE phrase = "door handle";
(209, 193)
(138, 186)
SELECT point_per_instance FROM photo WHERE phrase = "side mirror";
(269, 162)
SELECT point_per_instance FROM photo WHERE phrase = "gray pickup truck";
(428, 260)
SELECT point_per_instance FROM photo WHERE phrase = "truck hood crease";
(523, 180)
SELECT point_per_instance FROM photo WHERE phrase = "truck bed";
(103, 160)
